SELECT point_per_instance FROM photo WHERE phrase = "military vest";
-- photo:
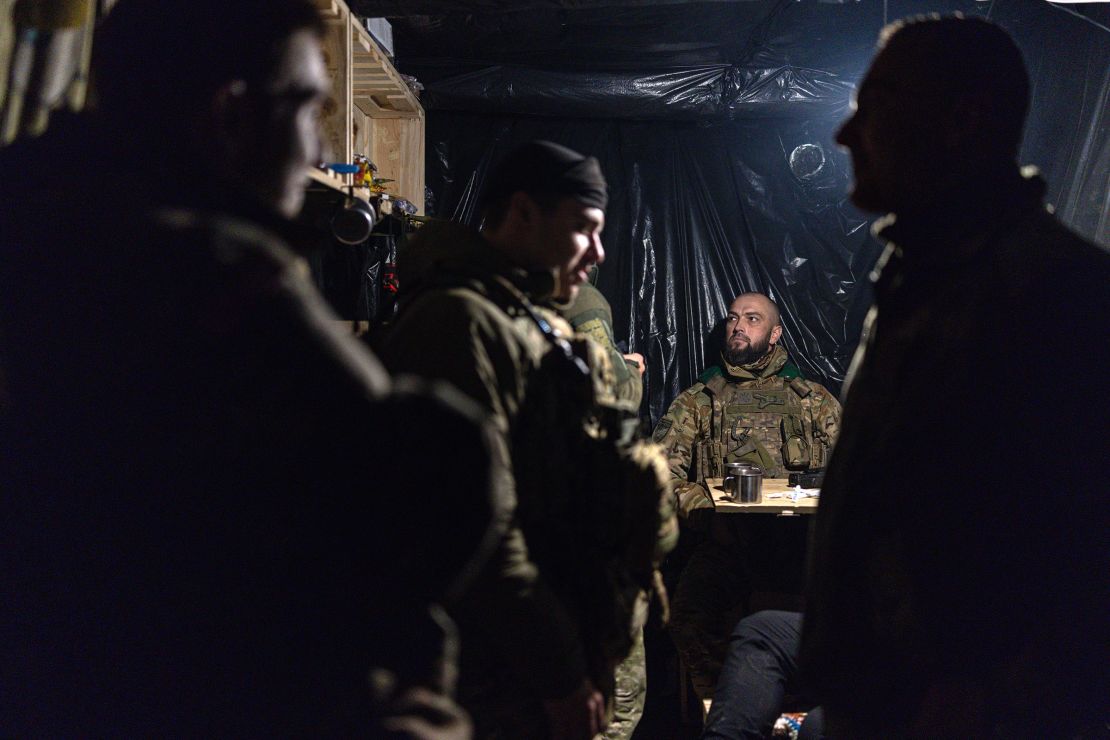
(763, 422)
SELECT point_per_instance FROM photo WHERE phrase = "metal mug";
(733, 476)
(750, 486)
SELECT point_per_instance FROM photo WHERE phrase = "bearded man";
(753, 407)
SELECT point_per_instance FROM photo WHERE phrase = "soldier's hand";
(414, 713)
(638, 359)
(578, 716)
(692, 497)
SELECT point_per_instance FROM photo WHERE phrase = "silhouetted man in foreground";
(198, 468)
(959, 583)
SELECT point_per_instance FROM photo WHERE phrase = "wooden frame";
(372, 112)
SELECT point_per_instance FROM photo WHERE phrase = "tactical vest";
(767, 425)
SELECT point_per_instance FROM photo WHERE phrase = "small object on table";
(377, 185)
(788, 725)
(733, 472)
(750, 486)
(807, 479)
(364, 176)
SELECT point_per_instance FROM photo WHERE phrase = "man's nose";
(844, 133)
(599, 251)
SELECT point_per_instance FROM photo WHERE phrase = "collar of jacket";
(447, 249)
(956, 229)
(764, 367)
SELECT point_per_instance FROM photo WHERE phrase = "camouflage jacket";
(470, 317)
(763, 413)
(591, 315)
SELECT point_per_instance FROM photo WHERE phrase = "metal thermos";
(735, 473)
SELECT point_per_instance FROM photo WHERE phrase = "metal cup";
(733, 474)
(750, 486)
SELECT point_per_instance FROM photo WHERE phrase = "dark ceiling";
(652, 34)
(665, 59)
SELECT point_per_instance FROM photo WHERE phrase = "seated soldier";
(753, 407)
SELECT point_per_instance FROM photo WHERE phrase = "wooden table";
(777, 499)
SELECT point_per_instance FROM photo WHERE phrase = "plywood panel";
(362, 134)
(335, 121)
(372, 111)
(399, 154)
(377, 87)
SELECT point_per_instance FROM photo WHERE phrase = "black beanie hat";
(546, 167)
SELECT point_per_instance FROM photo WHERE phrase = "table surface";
(777, 499)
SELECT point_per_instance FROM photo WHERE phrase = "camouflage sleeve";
(628, 384)
(591, 316)
(824, 412)
(678, 433)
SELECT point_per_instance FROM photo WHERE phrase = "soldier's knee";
(767, 625)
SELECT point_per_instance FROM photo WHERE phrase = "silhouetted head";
(944, 102)
(229, 90)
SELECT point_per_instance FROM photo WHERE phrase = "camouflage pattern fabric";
(630, 695)
(591, 318)
(746, 414)
(707, 604)
(619, 485)
(754, 413)
(590, 315)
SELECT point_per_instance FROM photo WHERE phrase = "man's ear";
(775, 334)
(522, 208)
(228, 114)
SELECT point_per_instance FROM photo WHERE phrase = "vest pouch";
(795, 446)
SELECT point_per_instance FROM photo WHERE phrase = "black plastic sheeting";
(718, 91)
(723, 173)
(697, 215)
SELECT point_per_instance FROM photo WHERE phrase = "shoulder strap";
(799, 387)
(496, 286)
(716, 384)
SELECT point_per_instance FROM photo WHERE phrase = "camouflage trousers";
(630, 693)
(711, 596)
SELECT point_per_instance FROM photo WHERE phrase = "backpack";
(595, 501)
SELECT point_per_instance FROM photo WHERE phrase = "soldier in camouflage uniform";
(565, 593)
(753, 407)
(589, 313)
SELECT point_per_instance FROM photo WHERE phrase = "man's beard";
(749, 354)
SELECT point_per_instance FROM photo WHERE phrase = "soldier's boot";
(631, 691)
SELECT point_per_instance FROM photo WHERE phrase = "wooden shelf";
(329, 9)
(328, 178)
(372, 112)
(376, 87)
(337, 182)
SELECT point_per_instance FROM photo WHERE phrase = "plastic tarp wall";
(724, 177)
